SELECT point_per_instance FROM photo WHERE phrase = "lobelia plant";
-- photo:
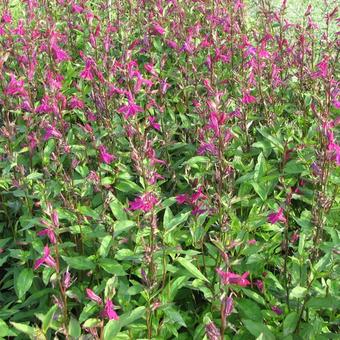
(169, 169)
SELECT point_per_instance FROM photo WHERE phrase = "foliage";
(169, 169)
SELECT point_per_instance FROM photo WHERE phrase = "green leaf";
(293, 167)
(112, 267)
(113, 327)
(47, 319)
(248, 309)
(23, 282)
(257, 328)
(298, 292)
(79, 262)
(105, 246)
(196, 160)
(178, 219)
(259, 167)
(289, 323)
(332, 302)
(93, 322)
(192, 269)
(74, 329)
(23, 328)
(128, 186)
(117, 209)
(4, 330)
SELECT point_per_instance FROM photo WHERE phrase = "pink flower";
(251, 242)
(150, 69)
(76, 103)
(15, 87)
(105, 157)
(154, 124)
(6, 17)
(77, 8)
(145, 202)
(130, 110)
(182, 198)
(277, 310)
(109, 311)
(248, 98)
(232, 278)
(50, 234)
(51, 132)
(87, 72)
(59, 54)
(259, 285)
(276, 217)
(228, 306)
(92, 296)
(158, 29)
(45, 259)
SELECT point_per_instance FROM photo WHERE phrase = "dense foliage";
(169, 169)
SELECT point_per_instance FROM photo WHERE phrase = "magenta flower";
(145, 202)
(154, 124)
(6, 17)
(51, 132)
(234, 279)
(109, 311)
(87, 72)
(15, 87)
(228, 306)
(45, 259)
(158, 29)
(277, 310)
(182, 198)
(59, 54)
(105, 157)
(50, 234)
(248, 98)
(76, 103)
(259, 285)
(93, 296)
(130, 110)
(276, 217)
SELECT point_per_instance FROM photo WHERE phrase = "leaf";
(121, 226)
(289, 323)
(112, 267)
(4, 330)
(174, 316)
(93, 322)
(105, 246)
(256, 328)
(298, 292)
(47, 319)
(79, 262)
(259, 167)
(113, 327)
(23, 328)
(23, 282)
(178, 219)
(332, 302)
(249, 310)
(117, 209)
(128, 186)
(293, 167)
(192, 269)
(196, 160)
(74, 329)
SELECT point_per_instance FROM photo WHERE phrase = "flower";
(212, 332)
(130, 110)
(50, 132)
(275, 217)
(259, 285)
(15, 87)
(50, 234)
(105, 157)
(232, 278)
(76, 103)
(45, 259)
(228, 306)
(277, 310)
(154, 124)
(248, 98)
(158, 29)
(109, 311)
(93, 296)
(145, 202)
